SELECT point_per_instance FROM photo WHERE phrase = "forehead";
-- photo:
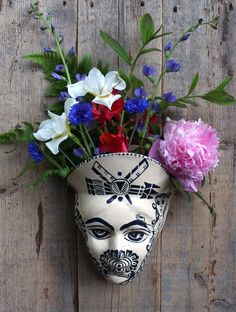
(116, 213)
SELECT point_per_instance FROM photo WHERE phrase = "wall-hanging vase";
(122, 201)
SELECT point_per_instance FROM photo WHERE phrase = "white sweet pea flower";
(56, 129)
(99, 86)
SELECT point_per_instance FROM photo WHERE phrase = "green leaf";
(178, 104)
(47, 61)
(115, 45)
(163, 105)
(162, 35)
(219, 96)
(146, 28)
(149, 50)
(55, 88)
(125, 77)
(103, 68)
(193, 84)
(224, 83)
(85, 65)
(135, 82)
(7, 137)
(56, 108)
(188, 101)
(63, 172)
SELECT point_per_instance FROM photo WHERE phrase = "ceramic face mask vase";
(121, 206)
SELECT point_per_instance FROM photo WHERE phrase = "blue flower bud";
(63, 96)
(43, 28)
(72, 52)
(168, 46)
(140, 92)
(80, 77)
(185, 37)
(172, 65)
(60, 68)
(47, 50)
(78, 152)
(169, 97)
(149, 70)
(156, 107)
(56, 76)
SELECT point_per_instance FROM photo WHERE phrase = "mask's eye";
(99, 233)
(136, 236)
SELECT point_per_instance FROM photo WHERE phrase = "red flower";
(113, 143)
(102, 113)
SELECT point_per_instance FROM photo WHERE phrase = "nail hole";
(175, 9)
(64, 3)
(231, 7)
(91, 4)
(200, 20)
(202, 246)
(142, 3)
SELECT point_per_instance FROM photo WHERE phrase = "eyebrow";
(135, 222)
(100, 221)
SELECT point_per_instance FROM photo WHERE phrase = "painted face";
(121, 206)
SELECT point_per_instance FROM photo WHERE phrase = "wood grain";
(44, 266)
(38, 248)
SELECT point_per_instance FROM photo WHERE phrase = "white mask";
(121, 206)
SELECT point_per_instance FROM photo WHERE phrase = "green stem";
(155, 90)
(77, 141)
(52, 161)
(67, 157)
(89, 137)
(133, 132)
(62, 58)
(44, 20)
(84, 140)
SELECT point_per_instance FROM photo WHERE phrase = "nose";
(116, 242)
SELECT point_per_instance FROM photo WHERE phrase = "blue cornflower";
(80, 77)
(156, 107)
(168, 46)
(60, 68)
(169, 97)
(172, 65)
(35, 152)
(72, 52)
(47, 50)
(63, 96)
(81, 113)
(56, 76)
(78, 152)
(136, 105)
(149, 70)
(140, 92)
(185, 37)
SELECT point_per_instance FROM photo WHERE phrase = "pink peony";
(188, 152)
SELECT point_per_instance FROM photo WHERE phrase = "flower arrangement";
(99, 111)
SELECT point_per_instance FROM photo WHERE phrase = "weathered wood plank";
(37, 233)
(195, 275)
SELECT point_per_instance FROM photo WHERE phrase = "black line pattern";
(120, 187)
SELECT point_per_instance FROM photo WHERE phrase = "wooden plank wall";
(44, 266)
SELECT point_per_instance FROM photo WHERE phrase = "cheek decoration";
(119, 262)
